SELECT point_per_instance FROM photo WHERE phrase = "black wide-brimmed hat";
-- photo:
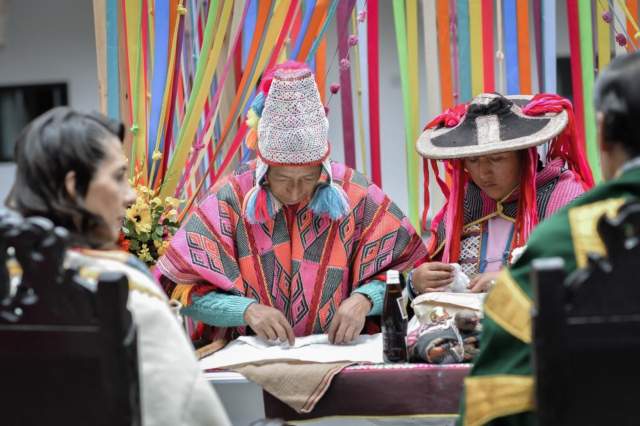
(492, 123)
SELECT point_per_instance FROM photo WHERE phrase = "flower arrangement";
(149, 224)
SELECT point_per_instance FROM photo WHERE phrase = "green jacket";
(500, 388)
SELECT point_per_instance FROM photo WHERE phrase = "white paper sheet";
(314, 348)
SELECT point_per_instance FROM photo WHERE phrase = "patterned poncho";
(555, 187)
(305, 268)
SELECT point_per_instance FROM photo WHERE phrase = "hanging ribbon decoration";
(374, 91)
(113, 84)
(399, 15)
(586, 59)
(362, 81)
(464, 51)
(209, 57)
(630, 9)
(488, 50)
(444, 53)
(537, 28)
(549, 45)
(476, 43)
(524, 49)
(348, 137)
(604, 35)
(205, 137)
(430, 42)
(510, 23)
(159, 78)
(172, 89)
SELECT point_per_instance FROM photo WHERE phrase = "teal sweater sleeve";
(219, 309)
(374, 291)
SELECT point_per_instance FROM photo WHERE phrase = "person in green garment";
(500, 388)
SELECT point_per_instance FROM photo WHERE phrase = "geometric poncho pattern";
(305, 267)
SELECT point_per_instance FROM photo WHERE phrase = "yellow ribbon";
(477, 63)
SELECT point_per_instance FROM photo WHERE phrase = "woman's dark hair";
(617, 97)
(57, 142)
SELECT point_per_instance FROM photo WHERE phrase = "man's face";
(293, 184)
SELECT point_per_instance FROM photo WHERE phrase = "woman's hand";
(269, 323)
(432, 276)
(483, 282)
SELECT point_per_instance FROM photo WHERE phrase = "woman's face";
(109, 192)
(497, 174)
(291, 185)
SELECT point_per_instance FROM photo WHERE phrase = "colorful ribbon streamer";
(509, 21)
(524, 49)
(399, 16)
(476, 43)
(444, 53)
(464, 51)
(586, 59)
(374, 91)
(348, 137)
(488, 50)
(549, 45)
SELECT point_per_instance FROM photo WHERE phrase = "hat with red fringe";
(290, 128)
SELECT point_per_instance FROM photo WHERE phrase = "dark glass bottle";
(394, 320)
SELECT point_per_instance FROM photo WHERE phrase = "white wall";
(49, 41)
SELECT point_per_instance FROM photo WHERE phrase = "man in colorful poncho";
(291, 244)
(500, 389)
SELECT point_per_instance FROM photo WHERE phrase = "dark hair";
(617, 97)
(57, 142)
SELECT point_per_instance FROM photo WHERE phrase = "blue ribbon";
(464, 51)
(113, 73)
(510, 24)
(248, 30)
(308, 8)
(160, 66)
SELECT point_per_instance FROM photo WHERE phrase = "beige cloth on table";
(298, 384)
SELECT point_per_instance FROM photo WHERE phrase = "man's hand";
(432, 276)
(269, 323)
(349, 320)
(483, 282)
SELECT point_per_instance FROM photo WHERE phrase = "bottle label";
(402, 306)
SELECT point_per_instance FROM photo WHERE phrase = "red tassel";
(455, 212)
(426, 200)
(566, 145)
(527, 216)
(449, 118)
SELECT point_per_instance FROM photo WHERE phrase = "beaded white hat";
(293, 128)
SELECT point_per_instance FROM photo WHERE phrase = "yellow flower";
(156, 201)
(157, 155)
(144, 254)
(140, 215)
(161, 246)
(172, 215)
(173, 202)
(144, 190)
